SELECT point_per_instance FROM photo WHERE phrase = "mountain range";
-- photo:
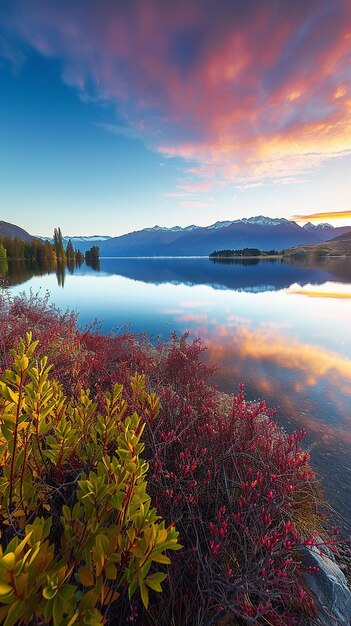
(260, 232)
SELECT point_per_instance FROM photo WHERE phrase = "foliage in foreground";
(240, 490)
(77, 529)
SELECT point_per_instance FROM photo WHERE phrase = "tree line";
(39, 251)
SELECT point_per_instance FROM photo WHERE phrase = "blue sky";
(115, 117)
(60, 166)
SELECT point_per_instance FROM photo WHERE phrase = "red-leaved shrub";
(240, 490)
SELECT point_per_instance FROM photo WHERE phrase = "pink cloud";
(196, 204)
(245, 92)
(176, 194)
(191, 187)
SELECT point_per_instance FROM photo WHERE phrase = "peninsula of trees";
(92, 257)
(244, 252)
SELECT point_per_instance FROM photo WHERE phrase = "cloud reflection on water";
(308, 383)
(326, 290)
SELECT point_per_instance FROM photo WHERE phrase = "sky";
(119, 115)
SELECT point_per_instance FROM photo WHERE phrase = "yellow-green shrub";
(77, 527)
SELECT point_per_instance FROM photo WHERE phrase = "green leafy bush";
(78, 533)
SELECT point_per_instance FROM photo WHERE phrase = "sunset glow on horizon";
(128, 115)
(322, 217)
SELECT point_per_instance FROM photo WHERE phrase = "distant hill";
(255, 232)
(343, 237)
(11, 230)
(339, 246)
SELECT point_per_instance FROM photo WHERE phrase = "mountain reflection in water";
(254, 275)
(251, 275)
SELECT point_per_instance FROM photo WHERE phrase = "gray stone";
(329, 588)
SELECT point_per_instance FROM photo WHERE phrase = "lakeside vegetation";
(239, 490)
(20, 259)
(98, 533)
(92, 257)
(41, 252)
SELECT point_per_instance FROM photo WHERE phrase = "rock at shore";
(329, 588)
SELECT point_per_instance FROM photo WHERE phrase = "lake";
(284, 330)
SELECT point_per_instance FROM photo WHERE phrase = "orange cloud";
(330, 215)
(248, 91)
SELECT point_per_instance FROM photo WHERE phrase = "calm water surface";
(284, 330)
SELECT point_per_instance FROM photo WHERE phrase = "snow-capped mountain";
(218, 225)
(84, 238)
(311, 226)
(81, 242)
(260, 232)
(260, 220)
(325, 231)
(89, 238)
(173, 229)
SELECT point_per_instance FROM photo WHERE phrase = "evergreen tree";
(3, 253)
(79, 257)
(58, 244)
(70, 254)
(48, 252)
(92, 257)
